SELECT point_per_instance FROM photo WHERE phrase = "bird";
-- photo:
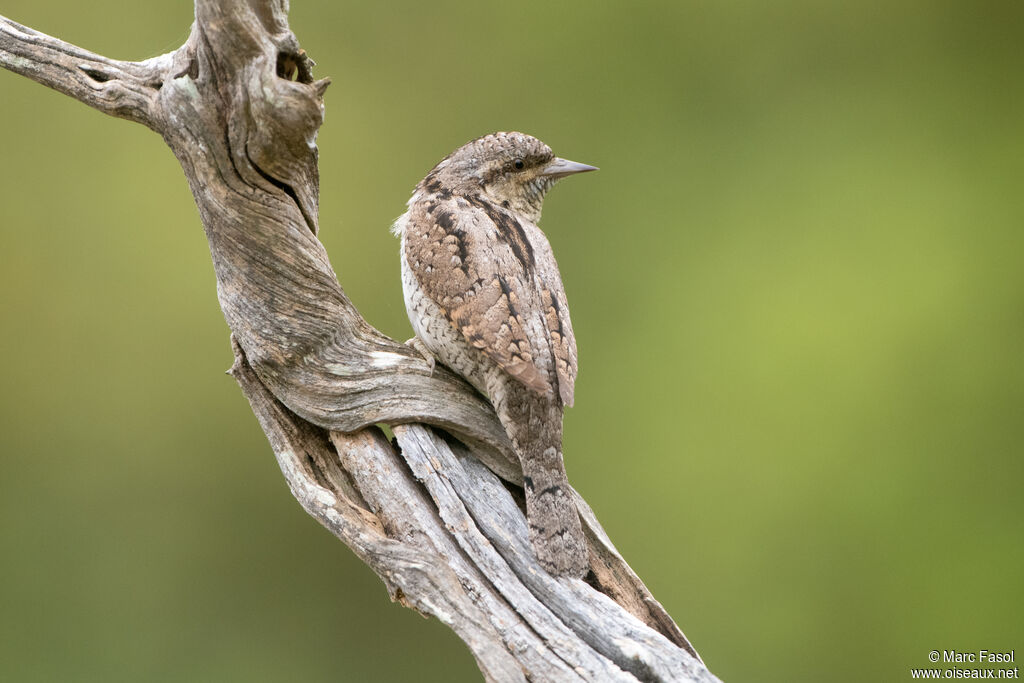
(485, 298)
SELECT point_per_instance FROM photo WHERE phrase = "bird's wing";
(556, 319)
(477, 263)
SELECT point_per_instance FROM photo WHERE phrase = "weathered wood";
(238, 106)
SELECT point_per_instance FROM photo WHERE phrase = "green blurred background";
(798, 296)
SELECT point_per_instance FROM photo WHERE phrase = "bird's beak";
(559, 168)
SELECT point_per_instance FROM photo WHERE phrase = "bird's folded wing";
(478, 265)
(563, 341)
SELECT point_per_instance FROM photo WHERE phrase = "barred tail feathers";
(555, 531)
(534, 424)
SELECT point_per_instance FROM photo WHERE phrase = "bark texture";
(436, 513)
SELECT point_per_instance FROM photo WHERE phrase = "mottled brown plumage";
(485, 298)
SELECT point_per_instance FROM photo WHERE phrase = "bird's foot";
(422, 349)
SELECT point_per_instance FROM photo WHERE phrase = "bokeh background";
(797, 288)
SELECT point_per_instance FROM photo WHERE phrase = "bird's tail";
(555, 531)
(534, 425)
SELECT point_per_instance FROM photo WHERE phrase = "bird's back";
(493, 278)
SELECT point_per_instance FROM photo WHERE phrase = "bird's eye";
(518, 163)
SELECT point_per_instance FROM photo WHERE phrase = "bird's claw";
(421, 348)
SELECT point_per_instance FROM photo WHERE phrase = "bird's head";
(513, 170)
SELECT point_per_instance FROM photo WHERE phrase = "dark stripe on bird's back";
(507, 291)
(451, 227)
(434, 187)
(510, 230)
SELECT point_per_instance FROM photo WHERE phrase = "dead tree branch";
(240, 109)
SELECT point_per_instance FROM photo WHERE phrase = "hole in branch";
(95, 74)
(295, 66)
(286, 67)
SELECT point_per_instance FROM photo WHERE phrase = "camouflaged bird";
(485, 298)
